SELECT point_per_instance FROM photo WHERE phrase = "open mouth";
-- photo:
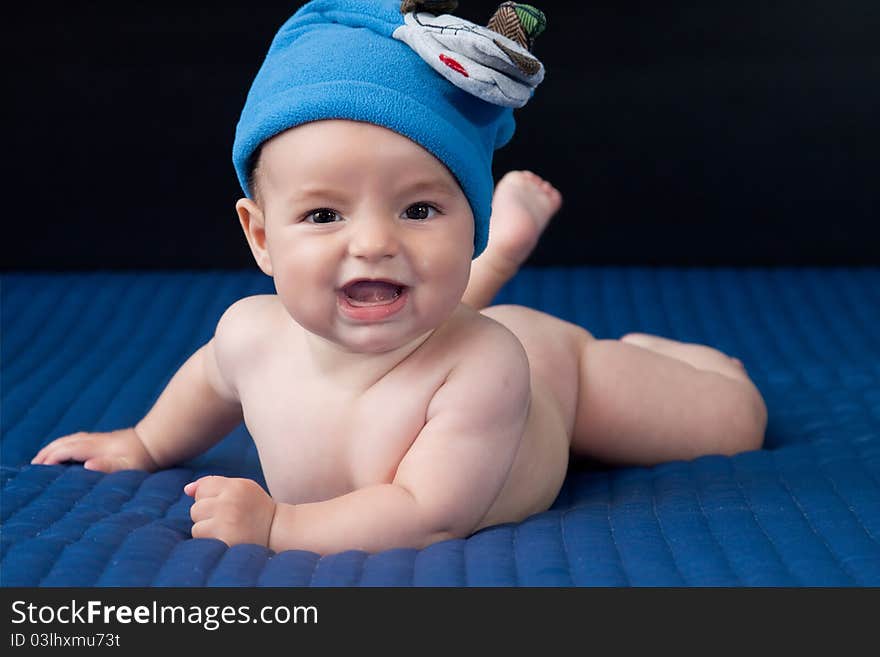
(366, 293)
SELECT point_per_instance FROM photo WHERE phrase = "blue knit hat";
(445, 83)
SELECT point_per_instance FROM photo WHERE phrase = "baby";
(389, 406)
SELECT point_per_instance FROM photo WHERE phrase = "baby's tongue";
(372, 292)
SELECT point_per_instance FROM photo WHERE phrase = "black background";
(680, 133)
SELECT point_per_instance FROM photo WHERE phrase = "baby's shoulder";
(243, 326)
(247, 316)
(488, 369)
(480, 341)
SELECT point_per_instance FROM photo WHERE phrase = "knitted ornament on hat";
(445, 83)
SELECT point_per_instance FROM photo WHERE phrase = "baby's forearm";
(189, 415)
(371, 519)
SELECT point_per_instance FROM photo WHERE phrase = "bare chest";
(318, 440)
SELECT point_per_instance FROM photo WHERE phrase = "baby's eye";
(322, 216)
(420, 211)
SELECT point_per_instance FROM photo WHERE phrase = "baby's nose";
(374, 238)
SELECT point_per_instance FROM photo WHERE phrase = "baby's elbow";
(747, 422)
(441, 535)
(432, 519)
(450, 522)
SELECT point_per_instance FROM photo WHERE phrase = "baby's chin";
(377, 340)
(368, 339)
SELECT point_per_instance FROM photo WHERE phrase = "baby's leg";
(521, 208)
(698, 355)
(644, 399)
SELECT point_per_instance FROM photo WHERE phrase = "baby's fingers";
(75, 447)
(207, 529)
(203, 509)
(41, 455)
(106, 464)
(207, 486)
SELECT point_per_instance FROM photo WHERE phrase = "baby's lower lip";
(372, 312)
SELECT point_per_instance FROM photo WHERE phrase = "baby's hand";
(232, 510)
(107, 452)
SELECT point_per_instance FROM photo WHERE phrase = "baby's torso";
(319, 438)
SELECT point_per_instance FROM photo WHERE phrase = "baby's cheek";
(306, 301)
(309, 311)
(453, 273)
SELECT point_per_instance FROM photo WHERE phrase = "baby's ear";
(253, 223)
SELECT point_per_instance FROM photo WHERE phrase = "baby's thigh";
(553, 347)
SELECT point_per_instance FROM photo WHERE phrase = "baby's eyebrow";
(430, 185)
(305, 193)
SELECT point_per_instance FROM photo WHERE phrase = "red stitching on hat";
(454, 65)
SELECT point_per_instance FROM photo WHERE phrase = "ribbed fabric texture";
(92, 351)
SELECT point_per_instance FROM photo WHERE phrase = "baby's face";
(369, 237)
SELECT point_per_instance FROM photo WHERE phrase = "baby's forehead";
(348, 150)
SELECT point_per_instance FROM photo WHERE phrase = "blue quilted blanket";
(92, 351)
